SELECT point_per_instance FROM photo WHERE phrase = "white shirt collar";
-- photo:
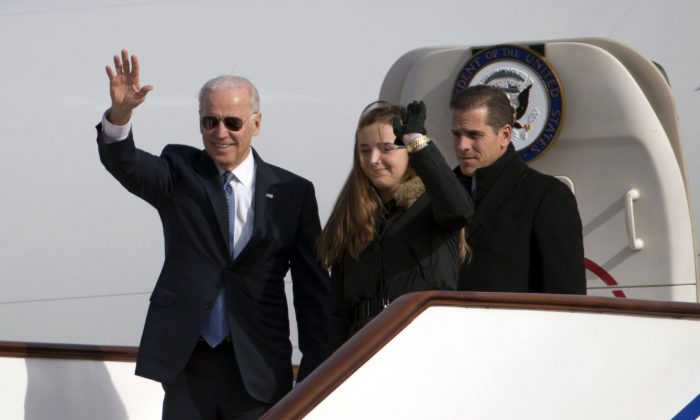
(244, 172)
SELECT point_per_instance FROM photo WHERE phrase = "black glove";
(412, 121)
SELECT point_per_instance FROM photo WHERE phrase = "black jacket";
(417, 247)
(184, 185)
(526, 231)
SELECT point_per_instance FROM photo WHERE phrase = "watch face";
(532, 86)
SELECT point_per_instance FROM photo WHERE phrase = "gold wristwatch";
(417, 143)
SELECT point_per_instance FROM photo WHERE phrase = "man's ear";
(504, 134)
(257, 122)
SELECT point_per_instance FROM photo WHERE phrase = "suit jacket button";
(209, 305)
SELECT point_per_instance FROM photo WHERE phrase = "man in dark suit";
(217, 330)
(526, 230)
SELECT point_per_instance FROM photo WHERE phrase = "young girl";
(398, 224)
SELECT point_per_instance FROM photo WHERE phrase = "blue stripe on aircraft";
(690, 411)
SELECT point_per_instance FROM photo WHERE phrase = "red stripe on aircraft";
(604, 275)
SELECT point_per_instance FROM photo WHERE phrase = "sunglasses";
(210, 122)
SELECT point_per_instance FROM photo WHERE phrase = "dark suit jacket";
(184, 185)
(526, 233)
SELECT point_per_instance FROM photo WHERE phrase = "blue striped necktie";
(217, 328)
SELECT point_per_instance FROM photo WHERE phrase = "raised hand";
(412, 121)
(397, 125)
(125, 88)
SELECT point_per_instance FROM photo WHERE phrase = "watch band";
(417, 143)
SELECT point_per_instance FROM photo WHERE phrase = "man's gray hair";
(227, 82)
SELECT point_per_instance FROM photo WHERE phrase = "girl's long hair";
(352, 224)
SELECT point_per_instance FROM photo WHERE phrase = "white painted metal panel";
(38, 389)
(456, 363)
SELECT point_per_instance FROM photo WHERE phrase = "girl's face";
(383, 162)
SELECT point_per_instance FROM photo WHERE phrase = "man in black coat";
(526, 230)
(217, 330)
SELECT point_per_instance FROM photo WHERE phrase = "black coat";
(184, 185)
(416, 249)
(526, 232)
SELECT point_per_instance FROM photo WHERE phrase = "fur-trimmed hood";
(408, 192)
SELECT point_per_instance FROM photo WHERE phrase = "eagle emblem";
(532, 87)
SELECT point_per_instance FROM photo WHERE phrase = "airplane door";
(617, 148)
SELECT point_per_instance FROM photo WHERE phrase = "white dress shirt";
(243, 184)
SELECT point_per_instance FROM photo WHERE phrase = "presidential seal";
(532, 87)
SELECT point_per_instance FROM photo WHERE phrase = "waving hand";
(125, 88)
